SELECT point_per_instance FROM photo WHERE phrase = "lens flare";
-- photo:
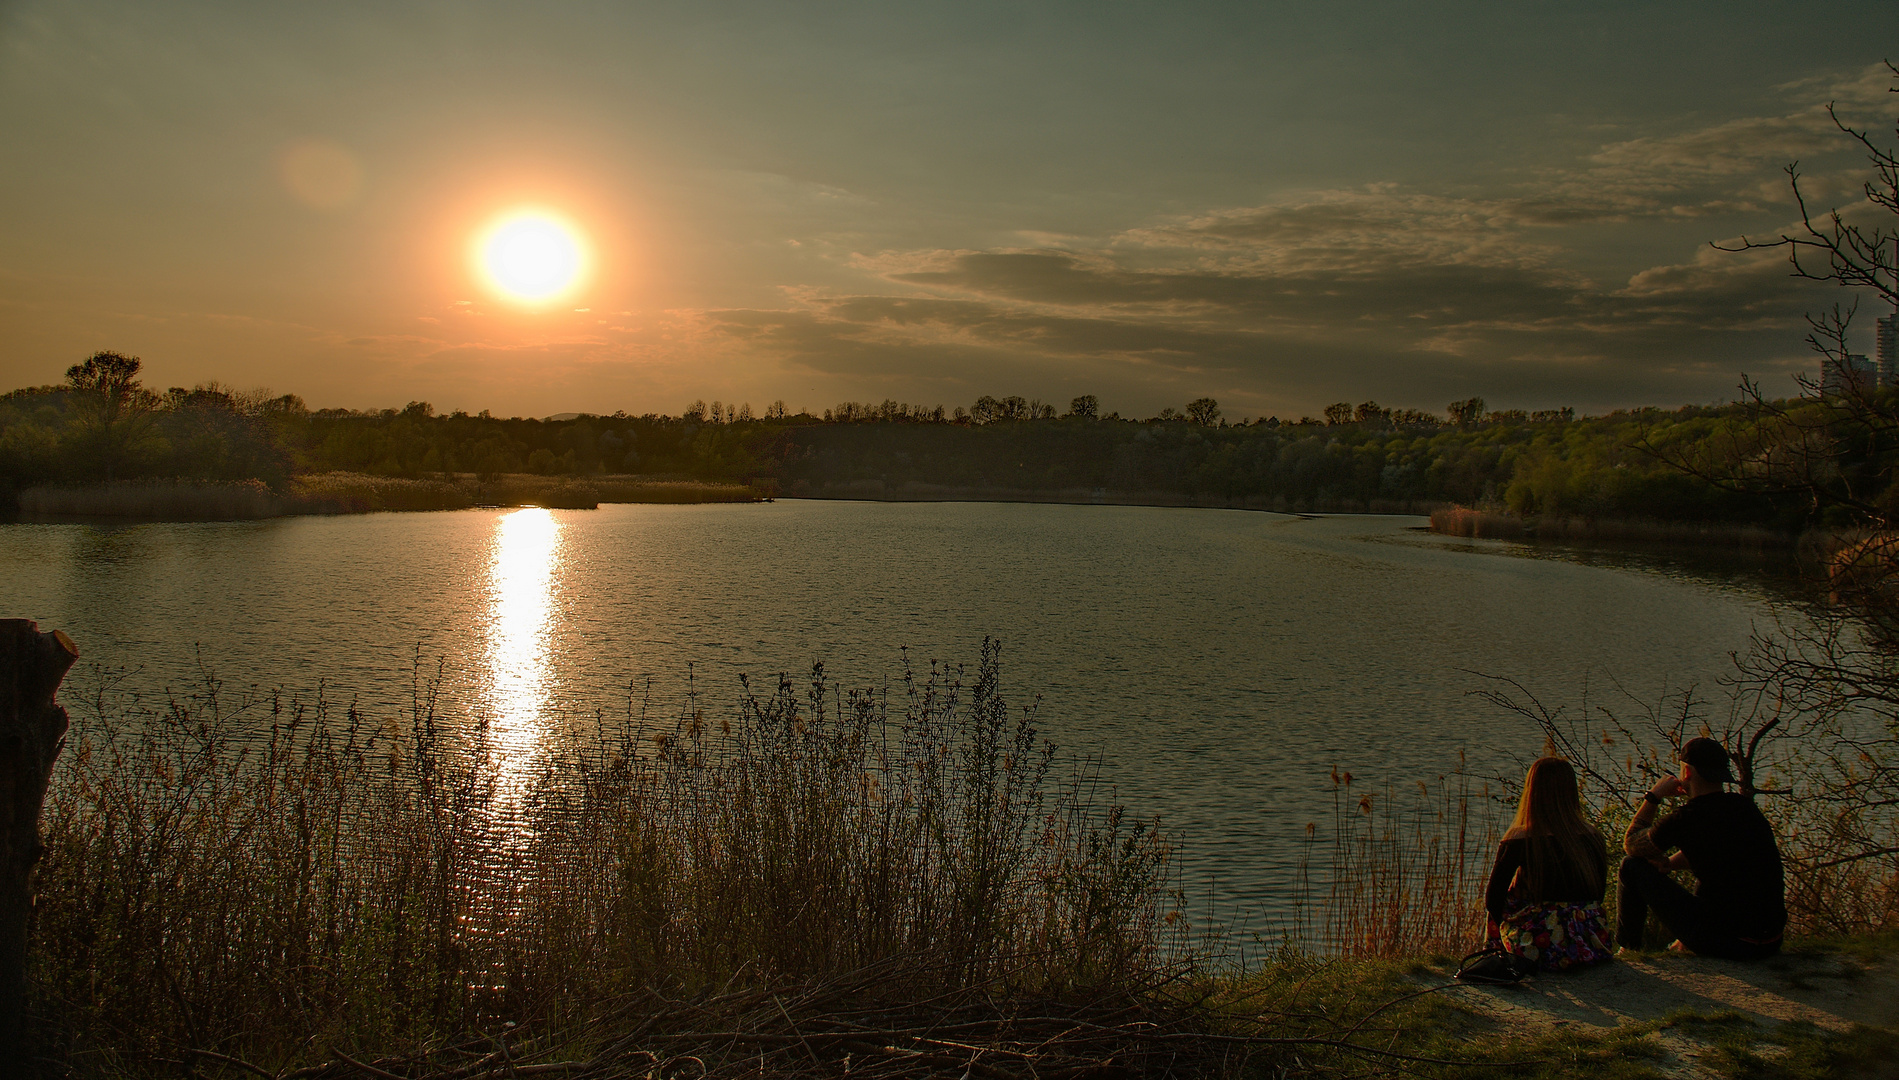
(533, 256)
(320, 173)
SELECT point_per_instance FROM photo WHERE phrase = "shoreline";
(914, 491)
(335, 493)
(1465, 523)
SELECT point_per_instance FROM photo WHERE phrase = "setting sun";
(532, 256)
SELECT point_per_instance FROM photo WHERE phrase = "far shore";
(913, 491)
(1479, 524)
(359, 493)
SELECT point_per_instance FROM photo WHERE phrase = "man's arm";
(1637, 841)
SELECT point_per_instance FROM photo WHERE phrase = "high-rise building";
(1886, 349)
(1855, 373)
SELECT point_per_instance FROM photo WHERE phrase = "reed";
(341, 492)
(642, 489)
(273, 879)
(1405, 876)
(357, 493)
(1477, 524)
(178, 500)
(1499, 525)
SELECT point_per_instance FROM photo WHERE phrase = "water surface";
(1218, 663)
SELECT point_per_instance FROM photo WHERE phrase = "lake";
(1219, 664)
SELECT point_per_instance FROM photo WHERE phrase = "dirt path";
(1830, 991)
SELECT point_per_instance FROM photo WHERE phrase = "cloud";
(1442, 292)
(1280, 339)
(1337, 293)
(1349, 231)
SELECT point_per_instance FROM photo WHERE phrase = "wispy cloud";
(1325, 291)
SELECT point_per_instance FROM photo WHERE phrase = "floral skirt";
(1556, 936)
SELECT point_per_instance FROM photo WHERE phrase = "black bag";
(1493, 965)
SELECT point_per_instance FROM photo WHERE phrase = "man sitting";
(1738, 911)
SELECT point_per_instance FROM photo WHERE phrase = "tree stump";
(32, 732)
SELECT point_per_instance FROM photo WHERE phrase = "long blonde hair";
(1551, 821)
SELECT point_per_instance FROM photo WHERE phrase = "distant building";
(1856, 373)
(1886, 349)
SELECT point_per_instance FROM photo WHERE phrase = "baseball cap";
(1709, 759)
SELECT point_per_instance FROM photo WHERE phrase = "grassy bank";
(356, 493)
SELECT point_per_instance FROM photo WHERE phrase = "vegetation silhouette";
(102, 426)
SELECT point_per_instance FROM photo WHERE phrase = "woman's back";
(1546, 888)
(1538, 869)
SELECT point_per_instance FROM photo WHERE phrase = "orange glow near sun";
(532, 256)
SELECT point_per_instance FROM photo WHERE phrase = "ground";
(1813, 1012)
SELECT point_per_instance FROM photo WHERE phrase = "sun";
(532, 256)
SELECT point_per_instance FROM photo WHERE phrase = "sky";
(1277, 205)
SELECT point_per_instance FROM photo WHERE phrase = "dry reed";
(168, 500)
(376, 888)
(1498, 525)
(339, 492)
(1405, 877)
(357, 493)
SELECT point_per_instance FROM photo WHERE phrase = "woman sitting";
(1545, 894)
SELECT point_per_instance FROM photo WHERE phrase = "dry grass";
(1499, 525)
(1405, 876)
(639, 489)
(357, 493)
(163, 500)
(806, 882)
(333, 881)
(1477, 524)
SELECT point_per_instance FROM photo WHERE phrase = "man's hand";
(1636, 841)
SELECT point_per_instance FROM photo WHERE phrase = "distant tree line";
(102, 424)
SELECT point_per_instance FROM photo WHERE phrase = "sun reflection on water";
(521, 613)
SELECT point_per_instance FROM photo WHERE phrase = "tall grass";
(356, 493)
(177, 500)
(1499, 525)
(270, 878)
(1404, 873)
(340, 492)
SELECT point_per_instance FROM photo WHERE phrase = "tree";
(1085, 407)
(1466, 413)
(1203, 411)
(1819, 701)
(1855, 255)
(1338, 413)
(111, 407)
(1370, 412)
